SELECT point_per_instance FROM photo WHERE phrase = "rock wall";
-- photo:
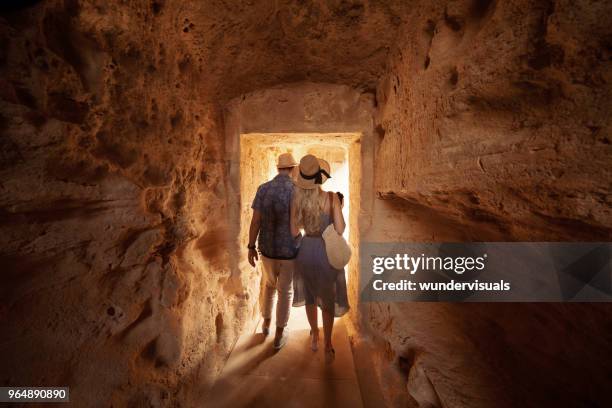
(499, 113)
(493, 126)
(113, 209)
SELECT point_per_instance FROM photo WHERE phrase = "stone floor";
(295, 376)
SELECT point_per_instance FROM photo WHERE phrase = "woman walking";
(316, 282)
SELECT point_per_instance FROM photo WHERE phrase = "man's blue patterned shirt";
(273, 201)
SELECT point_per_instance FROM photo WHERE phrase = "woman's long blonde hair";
(308, 209)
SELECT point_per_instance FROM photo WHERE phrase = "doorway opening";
(258, 155)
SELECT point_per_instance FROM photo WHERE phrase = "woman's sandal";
(330, 355)
(314, 340)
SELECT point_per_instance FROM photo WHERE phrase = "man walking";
(270, 222)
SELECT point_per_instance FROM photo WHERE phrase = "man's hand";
(253, 256)
(253, 232)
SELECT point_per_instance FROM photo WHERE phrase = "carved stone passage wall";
(497, 113)
(116, 274)
(493, 125)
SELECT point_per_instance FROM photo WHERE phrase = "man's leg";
(268, 288)
(284, 286)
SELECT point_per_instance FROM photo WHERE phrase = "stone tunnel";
(133, 136)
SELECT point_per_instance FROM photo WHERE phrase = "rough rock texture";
(239, 46)
(119, 192)
(495, 117)
(116, 274)
(500, 113)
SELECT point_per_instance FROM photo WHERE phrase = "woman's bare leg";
(328, 326)
(311, 313)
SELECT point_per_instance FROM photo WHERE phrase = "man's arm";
(253, 232)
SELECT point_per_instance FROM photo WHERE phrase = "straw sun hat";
(285, 161)
(313, 172)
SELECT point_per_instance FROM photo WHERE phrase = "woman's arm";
(293, 219)
(339, 224)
